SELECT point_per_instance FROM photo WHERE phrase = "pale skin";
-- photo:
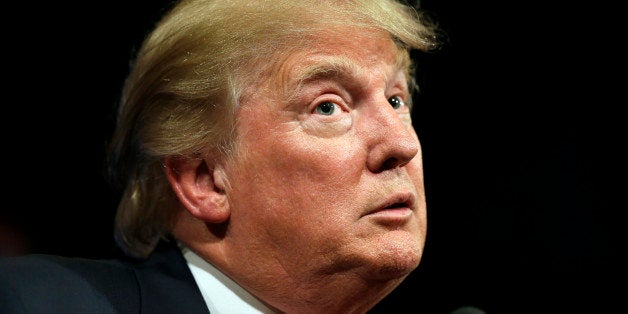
(322, 210)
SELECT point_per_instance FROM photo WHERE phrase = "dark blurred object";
(13, 240)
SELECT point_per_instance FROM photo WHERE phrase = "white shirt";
(222, 295)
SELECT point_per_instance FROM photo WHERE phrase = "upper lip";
(396, 200)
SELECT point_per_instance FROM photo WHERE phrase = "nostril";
(392, 163)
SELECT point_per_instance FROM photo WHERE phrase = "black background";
(519, 221)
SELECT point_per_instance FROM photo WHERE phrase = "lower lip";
(392, 216)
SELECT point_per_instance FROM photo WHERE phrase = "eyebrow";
(342, 68)
(332, 67)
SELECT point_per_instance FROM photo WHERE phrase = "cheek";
(302, 171)
(300, 198)
(291, 183)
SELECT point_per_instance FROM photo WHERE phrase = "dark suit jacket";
(39, 283)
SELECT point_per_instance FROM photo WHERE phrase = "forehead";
(348, 52)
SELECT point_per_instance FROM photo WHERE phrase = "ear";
(200, 187)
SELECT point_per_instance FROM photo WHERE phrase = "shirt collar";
(221, 293)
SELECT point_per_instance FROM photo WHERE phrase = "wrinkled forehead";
(327, 52)
(348, 51)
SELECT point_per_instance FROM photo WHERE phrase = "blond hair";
(182, 93)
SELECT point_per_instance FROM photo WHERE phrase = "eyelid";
(403, 92)
(338, 109)
(331, 98)
(405, 106)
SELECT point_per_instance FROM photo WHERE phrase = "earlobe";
(200, 187)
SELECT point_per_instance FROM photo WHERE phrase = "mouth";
(397, 207)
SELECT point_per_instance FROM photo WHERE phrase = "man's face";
(328, 176)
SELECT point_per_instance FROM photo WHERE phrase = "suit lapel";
(166, 283)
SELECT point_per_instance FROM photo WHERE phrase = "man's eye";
(327, 108)
(396, 102)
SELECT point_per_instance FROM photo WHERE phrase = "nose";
(392, 141)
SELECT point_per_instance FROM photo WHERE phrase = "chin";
(397, 267)
(395, 259)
